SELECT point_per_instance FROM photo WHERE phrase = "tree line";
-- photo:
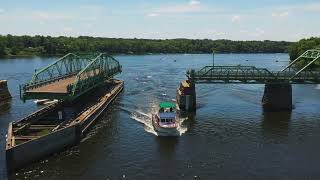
(45, 45)
(296, 49)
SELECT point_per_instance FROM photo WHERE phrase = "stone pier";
(186, 96)
(4, 92)
(277, 97)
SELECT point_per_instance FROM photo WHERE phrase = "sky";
(288, 20)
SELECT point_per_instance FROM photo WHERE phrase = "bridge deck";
(59, 86)
(247, 75)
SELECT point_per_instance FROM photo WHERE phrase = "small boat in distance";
(165, 121)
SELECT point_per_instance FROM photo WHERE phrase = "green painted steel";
(87, 72)
(312, 55)
(253, 75)
(101, 68)
(167, 105)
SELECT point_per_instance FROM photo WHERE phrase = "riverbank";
(40, 45)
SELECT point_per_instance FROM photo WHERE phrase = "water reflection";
(167, 146)
(275, 125)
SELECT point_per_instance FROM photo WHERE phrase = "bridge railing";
(101, 68)
(230, 73)
(312, 55)
(68, 65)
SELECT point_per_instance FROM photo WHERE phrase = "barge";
(57, 126)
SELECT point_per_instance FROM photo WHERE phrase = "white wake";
(146, 120)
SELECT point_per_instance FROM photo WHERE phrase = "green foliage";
(300, 47)
(3, 45)
(46, 45)
(303, 45)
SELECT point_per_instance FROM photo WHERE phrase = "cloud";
(2, 11)
(235, 18)
(194, 6)
(194, 2)
(67, 29)
(258, 32)
(153, 15)
(315, 7)
(45, 16)
(280, 14)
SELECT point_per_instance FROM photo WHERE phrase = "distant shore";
(45, 45)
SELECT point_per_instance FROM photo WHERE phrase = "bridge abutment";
(186, 96)
(277, 97)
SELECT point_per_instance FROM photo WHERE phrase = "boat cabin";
(167, 113)
(167, 107)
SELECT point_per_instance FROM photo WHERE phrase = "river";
(229, 136)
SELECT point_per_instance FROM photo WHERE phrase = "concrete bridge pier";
(4, 92)
(186, 96)
(277, 97)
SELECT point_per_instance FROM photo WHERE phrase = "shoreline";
(143, 54)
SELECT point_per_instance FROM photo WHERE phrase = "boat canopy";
(167, 105)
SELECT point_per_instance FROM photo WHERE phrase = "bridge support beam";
(186, 96)
(277, 97)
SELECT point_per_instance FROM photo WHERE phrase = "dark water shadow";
(190, 120)
(167, 146)
(5, 106)
(275, 125)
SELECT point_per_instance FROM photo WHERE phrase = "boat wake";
(318, 87)
(146, 120)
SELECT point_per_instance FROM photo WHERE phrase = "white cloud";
(315, 7)
(50, 16)
(194, 2)
(258, 32)
(280, 14)
(2, 11)
(193, 6)
(235, 18)
(92, 8)
(67, 29)
(153, 15)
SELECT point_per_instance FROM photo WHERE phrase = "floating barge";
(56, 126)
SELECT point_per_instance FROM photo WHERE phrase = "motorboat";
(165, 120)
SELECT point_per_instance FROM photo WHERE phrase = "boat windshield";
(167, 110)
(166, 121)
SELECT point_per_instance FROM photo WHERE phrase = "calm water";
(229, 137)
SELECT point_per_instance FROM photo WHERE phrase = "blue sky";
(288, 20)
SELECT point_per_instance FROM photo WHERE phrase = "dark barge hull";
(62, 136)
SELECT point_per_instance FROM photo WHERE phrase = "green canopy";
(167, 105)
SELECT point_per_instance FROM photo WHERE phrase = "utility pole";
(213, 58)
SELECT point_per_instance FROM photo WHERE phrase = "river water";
(229, 136)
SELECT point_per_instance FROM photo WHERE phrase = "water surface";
(229, 136)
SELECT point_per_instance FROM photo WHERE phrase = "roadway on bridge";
(59, 86)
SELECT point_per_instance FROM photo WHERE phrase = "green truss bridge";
(70, 76)
(278, 89)
(254, 75)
